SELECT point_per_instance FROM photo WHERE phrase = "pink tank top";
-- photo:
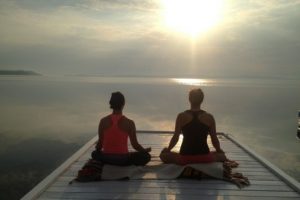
(115, 141)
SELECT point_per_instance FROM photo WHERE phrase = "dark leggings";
(132, 158)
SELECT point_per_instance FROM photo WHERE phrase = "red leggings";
(190, 159)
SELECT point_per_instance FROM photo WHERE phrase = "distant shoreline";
(19, 72)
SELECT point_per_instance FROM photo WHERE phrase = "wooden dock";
(267, 181)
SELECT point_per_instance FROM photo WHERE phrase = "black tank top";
(194, 136)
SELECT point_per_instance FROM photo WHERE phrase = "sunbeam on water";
(193, 82)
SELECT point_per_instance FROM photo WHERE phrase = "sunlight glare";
(192, 17)
(191, 81)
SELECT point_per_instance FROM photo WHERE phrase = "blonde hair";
(196, 96)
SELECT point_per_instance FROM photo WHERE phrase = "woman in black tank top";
(195, 125)
(194, 136)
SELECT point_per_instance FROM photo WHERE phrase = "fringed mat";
(96, 171)
(163, 171)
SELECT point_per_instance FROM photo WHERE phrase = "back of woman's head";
(117, 101)
(196, 96)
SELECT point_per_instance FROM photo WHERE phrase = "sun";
(192, 17)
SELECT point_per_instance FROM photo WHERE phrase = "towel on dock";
(163, 171)
(216, 170)
(95, 171)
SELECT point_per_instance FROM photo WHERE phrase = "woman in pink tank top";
(114, 131)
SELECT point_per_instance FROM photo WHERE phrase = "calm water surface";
(43, 120)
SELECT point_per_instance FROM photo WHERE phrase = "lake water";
(44, 119)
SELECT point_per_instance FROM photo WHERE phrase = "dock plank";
(265, 184)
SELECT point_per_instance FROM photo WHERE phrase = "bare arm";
(100, 136)
(133, 139)
(176, 135)
(213, 135)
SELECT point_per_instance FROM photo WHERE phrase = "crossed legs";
(132, 158)
(176, 158)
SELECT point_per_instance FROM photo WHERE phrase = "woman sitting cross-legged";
(113, 132)
(195, 125)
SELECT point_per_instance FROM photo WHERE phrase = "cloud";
(64, 36)
(132, 5)
(27, 22)
(117, 37)
(26, 26)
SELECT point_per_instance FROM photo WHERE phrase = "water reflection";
(193, 81)
(25, 163)
(68, 110)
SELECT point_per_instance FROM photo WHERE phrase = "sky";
(252, 38)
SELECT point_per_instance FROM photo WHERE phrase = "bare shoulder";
(208, 117)
(126, 124)
(181, 115)
(183, 118)
(105, 119)
(127, 120)
(105, 122)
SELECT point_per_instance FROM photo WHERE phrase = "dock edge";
(43, 185)
(294, 184)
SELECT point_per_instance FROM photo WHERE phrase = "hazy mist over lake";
(43, 120)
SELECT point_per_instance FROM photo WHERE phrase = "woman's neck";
(117, 112)
(195, 108)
